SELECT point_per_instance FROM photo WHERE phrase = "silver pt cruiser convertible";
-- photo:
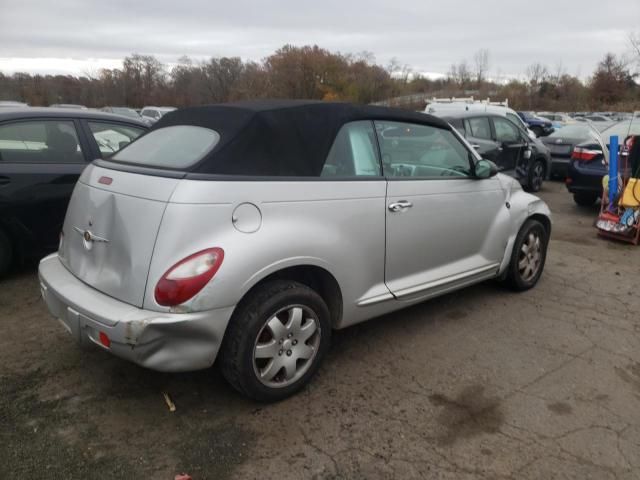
(250, 231)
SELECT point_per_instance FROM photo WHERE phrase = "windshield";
(175, 147)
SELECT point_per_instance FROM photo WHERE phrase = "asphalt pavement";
(482, 383)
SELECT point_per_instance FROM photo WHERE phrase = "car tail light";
(187, 277)
(584, 154)
(104, 339)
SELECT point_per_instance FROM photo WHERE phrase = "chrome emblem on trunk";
(88, 238)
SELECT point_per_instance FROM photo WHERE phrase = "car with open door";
(43, 151)
(248, 232)
(498, 139)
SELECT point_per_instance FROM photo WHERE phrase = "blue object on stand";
(613, 169)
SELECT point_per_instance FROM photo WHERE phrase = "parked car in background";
(124, 111)
(598, 118)
(558, 120)
(600, 122)
(127, 112)
(12, 104)
(68, 105)
(589, 162)
(562, 142)
(250, 231)
(153, 114)
(42, 153)
(537, 125)
(443, 107)
(498, 139)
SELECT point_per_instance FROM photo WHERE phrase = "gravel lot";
(482, 383)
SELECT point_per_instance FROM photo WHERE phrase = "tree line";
(311, 72)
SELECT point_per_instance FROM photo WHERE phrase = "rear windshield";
(175, 147)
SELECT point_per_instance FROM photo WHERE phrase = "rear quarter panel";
(336, 225)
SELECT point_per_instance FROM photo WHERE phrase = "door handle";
(400, 206)
(475, 146)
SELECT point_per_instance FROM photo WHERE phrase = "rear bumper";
(584, 180)
(559, 166)
(167, 342)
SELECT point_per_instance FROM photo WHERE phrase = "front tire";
(528, 256)
(276, 341)
(536, 176)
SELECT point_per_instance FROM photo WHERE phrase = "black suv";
(498, 139)
(42, 153)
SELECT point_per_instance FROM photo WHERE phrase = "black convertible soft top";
(278, 137)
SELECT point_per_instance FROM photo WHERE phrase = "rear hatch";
(111, 227)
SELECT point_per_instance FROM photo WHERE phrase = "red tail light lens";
(584, 154)
(187, 277)
(104, 339)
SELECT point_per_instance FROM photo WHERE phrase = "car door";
(444, 227)
(480, 135)
(40, 162)
(510, 144)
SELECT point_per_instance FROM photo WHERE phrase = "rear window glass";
(175, 147)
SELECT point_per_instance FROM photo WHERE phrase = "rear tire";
(6, 254)
(528, 256)
(276, 341)
(585, 199)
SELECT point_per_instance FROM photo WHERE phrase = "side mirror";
(485, 169)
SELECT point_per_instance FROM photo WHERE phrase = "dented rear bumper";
(169, 342)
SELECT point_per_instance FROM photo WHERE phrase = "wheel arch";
(313, 276)
(543, 219)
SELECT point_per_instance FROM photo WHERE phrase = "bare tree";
(481, 63)
(460, 73)
(398, 70)
(536, 73)
(634, 40)
(558, 73)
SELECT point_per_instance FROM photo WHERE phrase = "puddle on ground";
(560, 408)
(469, 414)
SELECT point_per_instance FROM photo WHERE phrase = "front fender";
(523, 206)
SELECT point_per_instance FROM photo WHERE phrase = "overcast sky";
(76, 36)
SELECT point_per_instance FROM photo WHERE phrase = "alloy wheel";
(286, 346)
(530, 257)
(537, 176)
